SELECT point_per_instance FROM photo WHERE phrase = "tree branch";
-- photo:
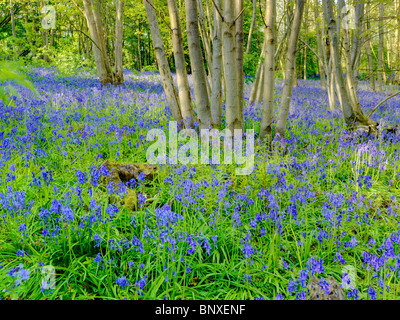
(382, 102)
(219, 12)
(158, 13)
(241, 12)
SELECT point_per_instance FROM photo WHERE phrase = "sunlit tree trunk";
(269, 70)
(181, 75)
(14, 34)
(348, 112)
(356, 45)
(290, 69)
(230, 69)
(253, 21)
(96, 35)
(380, 49)
(119, 29)
(205, 37)
(163, 67)
(397, 47)
(216, 96)
(319, 44)
(260, 88)
(197, 65)
(368, 52)
(256, 83)
(239, 37)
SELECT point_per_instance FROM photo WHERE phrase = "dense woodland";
(84, 82)
(232, 41)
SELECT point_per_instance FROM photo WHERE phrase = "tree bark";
(256, 83)
(100, 57)
(380, 49)
(397, 47)
(216, 96)
(185, 99)
(319, 44)
(14, 34)
(197, 65)
(230, 69)
(290, 69)
(368, 52)
(348, 112)
(239, 38)
(119, 29)
(350, 76)
(253, 21)
(205, 37)
(163, 67)
(269, 71)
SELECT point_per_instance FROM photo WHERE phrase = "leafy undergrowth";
(327, 205)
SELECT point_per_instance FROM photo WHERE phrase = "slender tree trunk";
(163, 67)
(319, 44)
(216, 97)
(260, 66)
(397, 47)
(380, 49)
(100, 57)
(348, 112)
(253, 21)
(269, 71)
(185, 99)
(197, 65)
(119, 29)
(205, 37)
(101, 35)
(233, 118)
(260, 87)
(14, 34)
(331, 90)
(368, 52)
(290, 69)
(356, 46)
(239, 38)
(305, 47)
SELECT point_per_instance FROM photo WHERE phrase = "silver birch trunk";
(216, 96)
(253, 21)
(260, 88)
(205, 37)
(269, 71)
(350, 78)
(119, 29)
(260, 66)
(163, 67)
(368, 52)
(319, 44)
(185, 99)
(290, 69)
(230, 69)
(99, 54)
(14, 34)
(348, 112)
(380, 49)
(197, 64)
(397, 47)
(239, 38)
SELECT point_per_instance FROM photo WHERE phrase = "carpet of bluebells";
(328, 203)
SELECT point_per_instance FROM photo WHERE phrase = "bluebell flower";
(371, 293)
(122, 281)
(279, 296)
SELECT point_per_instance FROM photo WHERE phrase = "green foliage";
(250, 62)
(9, 72)
(152, 68)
